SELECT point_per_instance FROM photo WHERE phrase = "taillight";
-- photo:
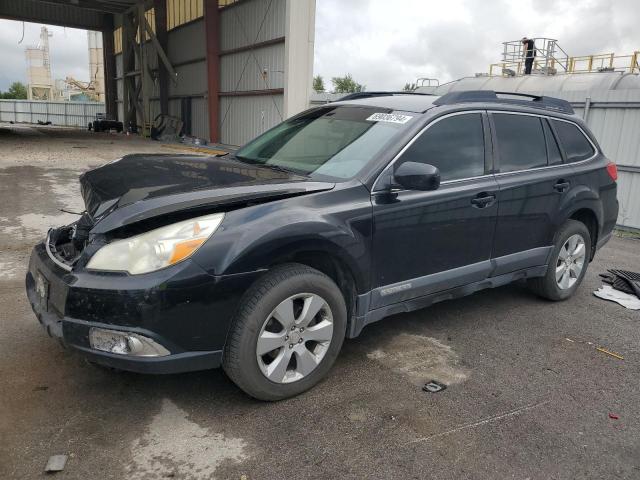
(612, 170)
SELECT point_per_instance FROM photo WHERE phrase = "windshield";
(331, 142)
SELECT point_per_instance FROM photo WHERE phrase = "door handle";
(483, 200)
(561, 186)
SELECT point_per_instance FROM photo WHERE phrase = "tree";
(17, 91)
(318, 84)
(346, 84)
(409, 87)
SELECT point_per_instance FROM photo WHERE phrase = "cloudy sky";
(67, 46)
(387, 43)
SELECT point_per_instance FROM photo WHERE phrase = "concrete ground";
(529, 394)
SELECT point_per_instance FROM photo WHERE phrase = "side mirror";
(417, 176)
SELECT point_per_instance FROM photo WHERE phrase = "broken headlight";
(158, 248)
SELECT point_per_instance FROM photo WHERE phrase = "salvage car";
(264, 260)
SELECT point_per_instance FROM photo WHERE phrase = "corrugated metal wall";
(243, 117)
(186, 52)
(251, 21)
(249, 116)
(69, 114)
(244, 70)
(614, 118)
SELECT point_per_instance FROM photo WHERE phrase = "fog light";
(125, 343)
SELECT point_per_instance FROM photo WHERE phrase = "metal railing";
(427, 82)
(551, 58)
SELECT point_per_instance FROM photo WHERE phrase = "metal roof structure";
(542, 83)
(87, 14)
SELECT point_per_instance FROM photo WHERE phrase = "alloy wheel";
(294, 338)
(570, 262)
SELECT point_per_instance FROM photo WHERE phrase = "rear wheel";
(568, 264)
(287, 333)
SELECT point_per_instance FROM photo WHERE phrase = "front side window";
(575, 144)
(521, 142)
(455, 145)
(327, 143)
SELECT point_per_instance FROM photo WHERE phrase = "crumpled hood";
(140, 187)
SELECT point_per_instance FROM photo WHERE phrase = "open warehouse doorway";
(229, 70)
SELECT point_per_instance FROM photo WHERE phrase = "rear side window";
(521, 142)
(455, 145)
(575, 144)
(553, 152)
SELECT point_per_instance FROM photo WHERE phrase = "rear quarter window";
(575, 144)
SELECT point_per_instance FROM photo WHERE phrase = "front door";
(425, 242)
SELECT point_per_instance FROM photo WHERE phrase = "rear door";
(430, 241)
(532, 181)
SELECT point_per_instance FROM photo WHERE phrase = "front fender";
(338, 223)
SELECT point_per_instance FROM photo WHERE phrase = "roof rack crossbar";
(537, 101)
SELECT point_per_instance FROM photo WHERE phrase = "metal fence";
(68, 114)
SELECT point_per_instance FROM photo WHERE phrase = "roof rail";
(357, 95)
(536, 101)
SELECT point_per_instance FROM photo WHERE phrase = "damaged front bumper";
(182, 308)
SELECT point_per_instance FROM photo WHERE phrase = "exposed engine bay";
(67, 243)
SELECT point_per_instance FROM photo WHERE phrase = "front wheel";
(568, 264)
(287, 333)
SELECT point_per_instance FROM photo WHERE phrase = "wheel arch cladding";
(335, 268)
(585, 205)
(589, 218)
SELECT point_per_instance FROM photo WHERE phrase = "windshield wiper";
(279, 168)
(271, 166)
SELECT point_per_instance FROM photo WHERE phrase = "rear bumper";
(182, 308)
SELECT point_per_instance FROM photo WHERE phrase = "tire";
(549, 286)
(300, 287)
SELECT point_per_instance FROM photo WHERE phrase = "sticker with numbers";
(389, 118)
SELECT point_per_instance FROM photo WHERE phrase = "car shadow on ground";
(436, 320)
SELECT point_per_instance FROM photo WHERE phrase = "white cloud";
(386, 44)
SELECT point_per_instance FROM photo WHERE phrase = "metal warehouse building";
(610, 104)
(230, 69)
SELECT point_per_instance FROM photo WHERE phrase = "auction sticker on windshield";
(389, 118)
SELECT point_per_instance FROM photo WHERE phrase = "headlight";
(158, 248)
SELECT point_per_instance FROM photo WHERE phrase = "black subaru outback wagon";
(264, 260)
